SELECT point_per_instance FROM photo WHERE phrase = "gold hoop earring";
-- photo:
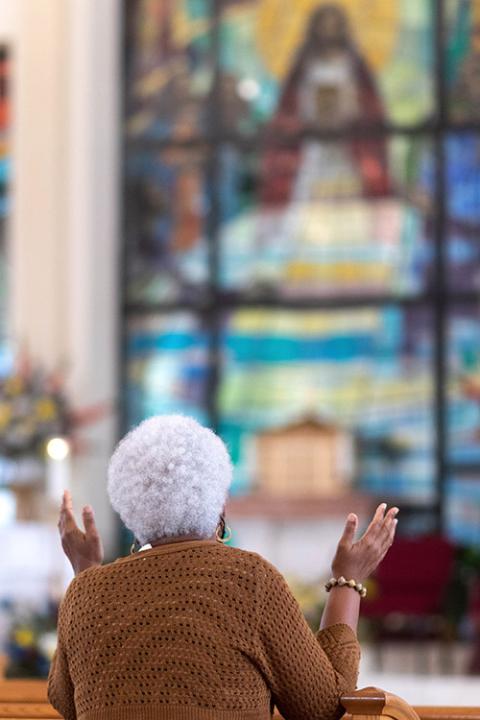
(228, 534)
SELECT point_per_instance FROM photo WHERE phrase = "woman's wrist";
(348, 573)
(82, 565)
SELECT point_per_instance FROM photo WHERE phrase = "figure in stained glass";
(330, 86)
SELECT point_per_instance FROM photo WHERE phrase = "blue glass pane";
(464, 385)
(316, 220)
(365, 371)
(463, 210)
(169, 68)
(167, 367)
(166, 208)
(325, 65)
(463, 509)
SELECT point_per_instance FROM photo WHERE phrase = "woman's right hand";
(358, 559)
(83, 549)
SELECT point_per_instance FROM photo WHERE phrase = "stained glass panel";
(167, 367)
(464, 385)
(463, 59)
(167, 254)
(304, 218)
(463, 210)
(325, 64)
(169, 68)
(463, 509)
(327, 218)
(367, 371)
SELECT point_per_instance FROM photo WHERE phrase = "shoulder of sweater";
(266, 573)
(222, 554)
(252, 560)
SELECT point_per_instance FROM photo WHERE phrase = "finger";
(389, 522)
(391, 514)
(67, 501)
(376, 522)
(67, 520)
(89, 521)
(379, 515)
(389, 537)
(393, 530)
(348, 536)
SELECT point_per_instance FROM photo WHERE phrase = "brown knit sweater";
(194, 631)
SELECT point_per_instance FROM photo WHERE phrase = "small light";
(248, 89)
(58, 448)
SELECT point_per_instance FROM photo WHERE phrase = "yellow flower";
(372, 588)
(5, 414)
(45, 409)
(14, 386)
(24, 637)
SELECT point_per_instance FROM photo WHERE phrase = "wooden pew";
(375, 704)
(25, 700)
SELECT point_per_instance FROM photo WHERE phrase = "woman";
(187, 627)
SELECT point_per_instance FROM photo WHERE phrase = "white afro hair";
(169, 476)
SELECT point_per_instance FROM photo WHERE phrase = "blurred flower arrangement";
(311, 598)
(33, 408)
(31, 642)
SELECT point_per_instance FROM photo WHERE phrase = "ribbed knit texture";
(194, 631)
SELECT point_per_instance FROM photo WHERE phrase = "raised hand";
(358, 559)
(83, 549)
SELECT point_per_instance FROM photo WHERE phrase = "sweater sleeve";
(60, 686)
(306, 674)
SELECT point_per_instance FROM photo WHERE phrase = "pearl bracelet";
(341, 582)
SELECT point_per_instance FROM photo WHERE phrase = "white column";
(65, 241)
(93, 236)
(38, 248)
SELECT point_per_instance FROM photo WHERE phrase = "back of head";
(168, 477)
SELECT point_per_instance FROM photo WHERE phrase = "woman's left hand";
(83, 549)
(358, 559)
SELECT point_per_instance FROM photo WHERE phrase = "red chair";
(474, 612)
(406, 598)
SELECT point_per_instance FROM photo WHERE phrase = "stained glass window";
(463, 509)
(302, 224)
(463, 59)
(464, 385)
(367, 370)
(167, 254)
(307, 220)
(323, 65)
(463, 209)
(169, 68)
(167, 367)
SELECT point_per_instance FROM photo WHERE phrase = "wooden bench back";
(27, 700)
(375, 704)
